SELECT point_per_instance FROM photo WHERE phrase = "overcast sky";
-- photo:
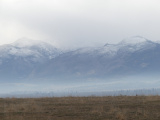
(77, 23)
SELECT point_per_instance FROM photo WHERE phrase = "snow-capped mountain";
(132, 44)
(21, 58)
(132, 56)
(29, 59)
(26, 47)
(132, 63)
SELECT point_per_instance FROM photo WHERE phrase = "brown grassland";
(81, 108)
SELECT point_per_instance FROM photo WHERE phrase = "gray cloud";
(77, 23)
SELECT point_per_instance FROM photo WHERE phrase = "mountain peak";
(25, 42)
(134, 40)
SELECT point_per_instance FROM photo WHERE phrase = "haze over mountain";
(130, 64)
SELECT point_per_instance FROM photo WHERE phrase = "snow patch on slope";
(31, 49)
(128, 45)
(131, 44)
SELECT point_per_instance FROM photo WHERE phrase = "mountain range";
(27, 59)
(132, 63)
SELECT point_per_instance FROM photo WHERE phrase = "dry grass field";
(81, 108)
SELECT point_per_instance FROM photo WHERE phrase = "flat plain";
(81, 108)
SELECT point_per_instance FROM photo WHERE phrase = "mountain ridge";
(108, 67)
(40, 60)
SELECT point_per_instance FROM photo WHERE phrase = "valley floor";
(81, 108)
